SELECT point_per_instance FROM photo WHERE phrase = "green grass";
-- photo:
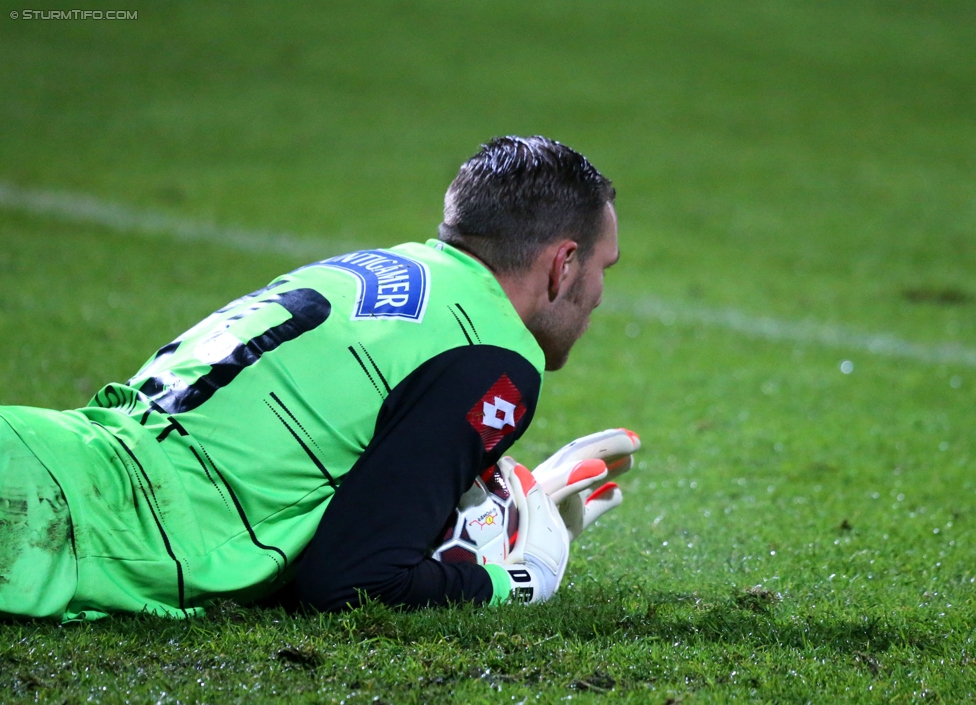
(792, 533)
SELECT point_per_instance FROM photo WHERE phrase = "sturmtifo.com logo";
(74, 15)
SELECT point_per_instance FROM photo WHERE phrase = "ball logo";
(489, 518)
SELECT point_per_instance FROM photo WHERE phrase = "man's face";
(560, 326)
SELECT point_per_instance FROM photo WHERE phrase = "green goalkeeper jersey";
(208, 473)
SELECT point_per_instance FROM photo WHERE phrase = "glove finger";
(612, 446)
(581, 510)
(571, 510)
(621, 463)
(609, 444)
(619, 466)
(582, 476)
(603, 499)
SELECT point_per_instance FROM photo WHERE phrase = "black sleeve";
(430, 442)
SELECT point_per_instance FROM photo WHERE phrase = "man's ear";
(564, 259)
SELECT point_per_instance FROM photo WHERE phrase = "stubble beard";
(557, 330)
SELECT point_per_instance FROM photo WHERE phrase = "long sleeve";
(444, 424)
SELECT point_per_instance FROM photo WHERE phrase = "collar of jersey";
(477, 268)
(491, 283)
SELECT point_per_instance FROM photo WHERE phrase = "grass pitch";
(795, 531)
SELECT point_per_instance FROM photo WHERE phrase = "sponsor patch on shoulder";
(389, 284)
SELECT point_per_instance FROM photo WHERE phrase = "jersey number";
(308, 309)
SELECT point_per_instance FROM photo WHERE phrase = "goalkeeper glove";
(581, 510)
(571, 475)
(538, 560)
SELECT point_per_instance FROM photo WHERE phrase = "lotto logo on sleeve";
(498, 412)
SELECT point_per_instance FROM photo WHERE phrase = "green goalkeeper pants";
(38, 570)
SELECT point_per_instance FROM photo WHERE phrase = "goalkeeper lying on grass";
(317, 435)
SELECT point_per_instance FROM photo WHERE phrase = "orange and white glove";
(538, 560)
(572, 477)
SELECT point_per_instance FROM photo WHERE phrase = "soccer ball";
(484, 526)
